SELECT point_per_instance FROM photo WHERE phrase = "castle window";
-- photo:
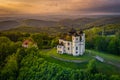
(68, 48)
(76, 52)
(68, 43)
(80, 38)
(59, 51)
(76, 48)
(76, 38)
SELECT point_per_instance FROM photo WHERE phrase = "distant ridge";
(81, 23)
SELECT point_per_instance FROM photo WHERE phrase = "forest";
(18, 63)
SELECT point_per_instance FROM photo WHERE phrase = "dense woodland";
(18, 63)
(105, 39)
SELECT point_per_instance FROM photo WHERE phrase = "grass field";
(106, 56)
(102, 67)
(47, 55)
(69, 57)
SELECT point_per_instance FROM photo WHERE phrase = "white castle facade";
(74, 46)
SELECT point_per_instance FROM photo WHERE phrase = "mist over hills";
(7, 23)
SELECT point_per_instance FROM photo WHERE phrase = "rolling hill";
(79, 23)
(4, 25)
(39, 23)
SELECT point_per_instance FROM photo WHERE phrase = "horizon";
(54, 17)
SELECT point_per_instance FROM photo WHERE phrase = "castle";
(73, 43)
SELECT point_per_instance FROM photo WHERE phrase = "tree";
(115, 77)
(101, 43)
(54, 42)
(114, 46)
(7, 47)
(91, 35)
(91, 68)
(9, 71)
(42, 40)
(5, 50)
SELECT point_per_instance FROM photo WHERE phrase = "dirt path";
(75, 61)
(114, 64)
(79, 61)
(106, 61)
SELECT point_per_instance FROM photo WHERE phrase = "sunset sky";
(59, 7)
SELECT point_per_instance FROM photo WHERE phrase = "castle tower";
(78, 43)
(82, 42)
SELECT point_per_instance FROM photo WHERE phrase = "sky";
(59, 7)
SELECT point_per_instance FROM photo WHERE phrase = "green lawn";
(85, 57)
(102, 67)
(106, 56)
(47, 55)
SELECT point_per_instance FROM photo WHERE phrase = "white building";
(73, 43)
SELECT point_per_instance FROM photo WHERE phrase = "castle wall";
(68, 47)
(60, 49)
(76, 49)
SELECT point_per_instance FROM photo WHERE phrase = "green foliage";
(114, 77)
(92, 67)
(90, 37)
(101, 43)
(28, 64)
(15, 36)
(100, 39)
(54, 42)
(43, 40)
(7, 47)
(114, 46)
(9, 72)
(100, 76)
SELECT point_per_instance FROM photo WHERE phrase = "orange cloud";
(54, 6)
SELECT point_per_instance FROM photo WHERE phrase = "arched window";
(76, 48)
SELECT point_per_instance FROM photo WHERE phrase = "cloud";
(5, 10)
(10, 8)
(59, 6)
(115, 7)
(107, 6)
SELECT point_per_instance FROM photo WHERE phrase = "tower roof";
(80, 32)
(76, 34)
(72, 31)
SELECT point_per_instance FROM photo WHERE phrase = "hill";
(79, 23)
(105, 21)
(39, 23)
(76, 23)
(8, 24)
